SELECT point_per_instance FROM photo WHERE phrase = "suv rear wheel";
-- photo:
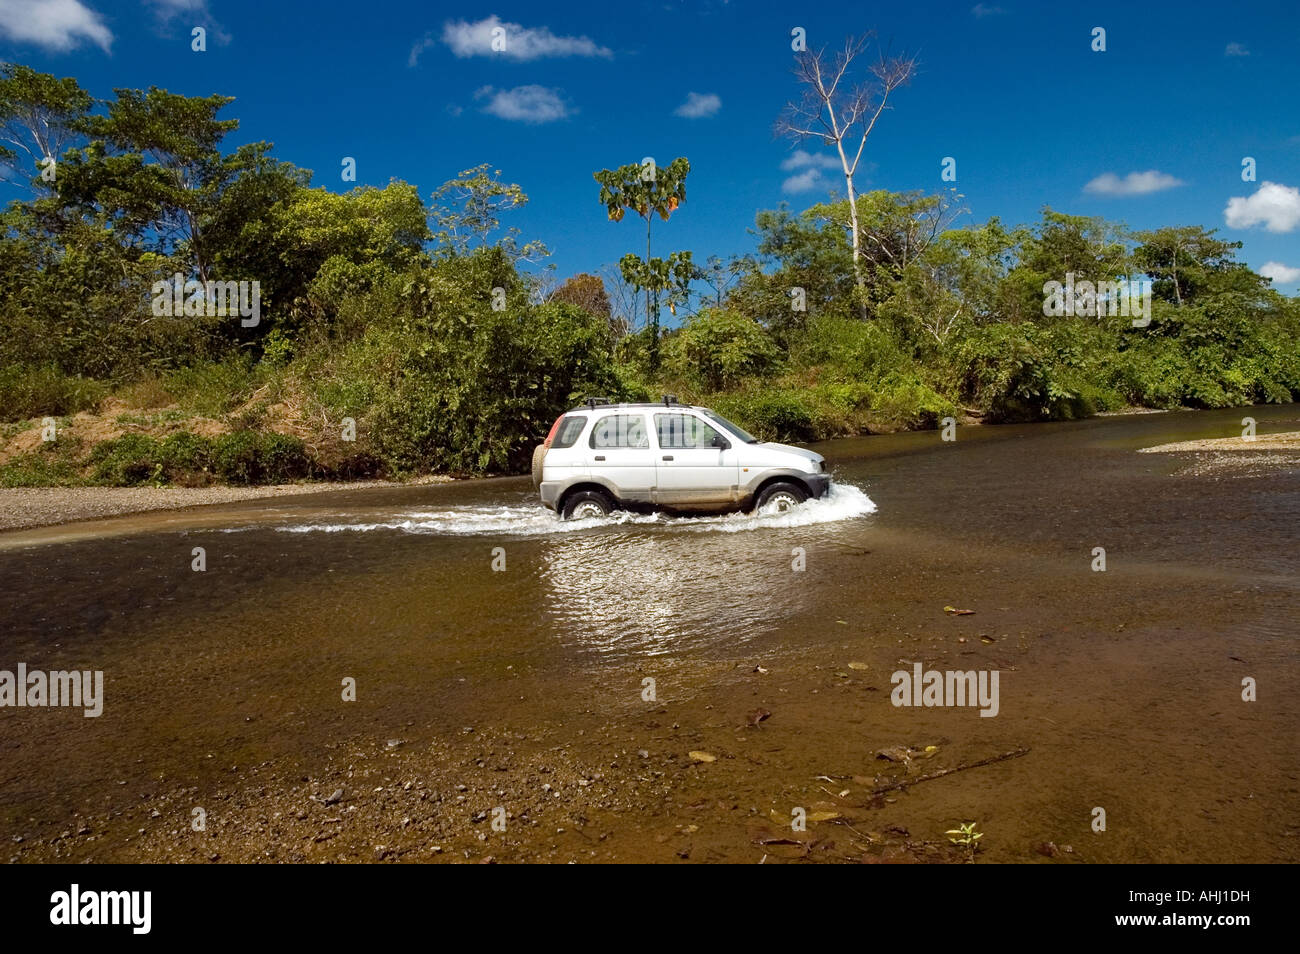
(780, 497)
(586, 504)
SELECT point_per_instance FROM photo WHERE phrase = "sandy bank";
(25, 507)
(1289, 441)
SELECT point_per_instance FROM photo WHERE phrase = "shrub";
(782, 415)
(243, 457)
(469, 389)
(186, 458)
(51, 466)
(277, 348)
(216, 387)
(901, 399)
(128, 461)
(1007, 371)
(250, 457)
(717, 348)
(28, 391)
(860, 350)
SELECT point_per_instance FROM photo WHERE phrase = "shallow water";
(528, 518)
(1125, 683)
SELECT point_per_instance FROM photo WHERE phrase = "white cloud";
(172, 7)
(808, 167)
(525, 104)
(419, 48)
(1276, 207)
(805, 181)
(467, 39)
(1280, 274)
(190, 13)
(1236, 49)
(59, 25)
(1135, 183)
(982, 10)
(800, 159)
(699, 106)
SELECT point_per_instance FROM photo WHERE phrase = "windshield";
(740, 432)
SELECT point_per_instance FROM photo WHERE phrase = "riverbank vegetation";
(390, 335)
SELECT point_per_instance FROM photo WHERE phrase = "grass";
(28, 391)
(56, 464)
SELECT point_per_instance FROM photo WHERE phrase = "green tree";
(354, 238)
(155, 166)
(469, 208)
(40, 116)
(241, 231)
(586, 291)
(1183, 260)
(650, 190)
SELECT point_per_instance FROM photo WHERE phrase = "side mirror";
(721, 443)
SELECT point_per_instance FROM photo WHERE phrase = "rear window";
(620, 430)
(569, 430)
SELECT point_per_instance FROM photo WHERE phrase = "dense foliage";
(396, 337)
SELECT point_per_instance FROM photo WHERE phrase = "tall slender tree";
(650, 190)
(840, 115)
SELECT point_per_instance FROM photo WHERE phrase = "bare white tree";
(840, 115)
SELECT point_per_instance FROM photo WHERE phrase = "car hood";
(772, 454)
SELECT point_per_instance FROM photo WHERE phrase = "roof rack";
(594, 401)
(670, 400)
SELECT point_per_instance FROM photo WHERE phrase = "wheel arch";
(789, 477)
(584, 484)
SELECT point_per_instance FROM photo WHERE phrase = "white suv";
(601, 457)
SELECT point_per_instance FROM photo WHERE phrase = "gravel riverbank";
(25, 507)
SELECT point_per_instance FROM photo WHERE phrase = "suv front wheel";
(586, 504)
(780, 497)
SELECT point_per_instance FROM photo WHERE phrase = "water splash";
(841, 502)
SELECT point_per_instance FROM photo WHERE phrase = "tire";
(780, 497)
(586, 504)
(539, 455)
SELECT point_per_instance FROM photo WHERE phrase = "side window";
(683, 431)
(620, 430)
(569, 430)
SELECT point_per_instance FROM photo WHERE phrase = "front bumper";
(818, 484)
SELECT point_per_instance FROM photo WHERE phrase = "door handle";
(668, 456)
(600, 457)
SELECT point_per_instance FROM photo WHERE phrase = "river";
(660, 689)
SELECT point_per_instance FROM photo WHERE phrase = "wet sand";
(524, 689)
(1270, 442)
(24, 507)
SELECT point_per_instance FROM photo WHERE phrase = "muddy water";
(525, 687)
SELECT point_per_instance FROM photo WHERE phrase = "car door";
(691, 467)
(619, 450)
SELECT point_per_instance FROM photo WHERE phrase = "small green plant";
(966, 835)
(277, 349)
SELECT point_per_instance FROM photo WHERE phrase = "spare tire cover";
(539, 454)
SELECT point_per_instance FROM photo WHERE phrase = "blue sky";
(1159, 123)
